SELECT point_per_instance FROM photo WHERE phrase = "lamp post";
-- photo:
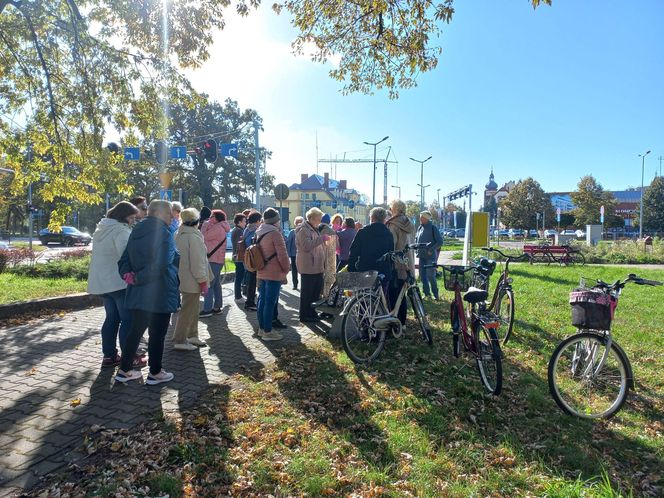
(399, 188)
(421, 180)
(373, 200)
(439, 208)
(422, 187)
(643, 164)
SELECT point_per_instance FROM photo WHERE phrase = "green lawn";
(20, 288)
(416, 422)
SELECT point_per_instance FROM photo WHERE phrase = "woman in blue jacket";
(149, 265)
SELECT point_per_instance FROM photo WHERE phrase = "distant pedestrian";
(149, 265)
(175, 224)
(215, 230)
(272, 275)
(108, 243)
(253, 221)
(428, 233)
(291, 247)
(142, 206)
(240, 221)
(346, 236)
(195, 277)
(310, 263)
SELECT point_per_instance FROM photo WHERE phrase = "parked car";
(449, 233)
(580, 234)
(549, 234)
(4, 245)
(68, 236)
(568, 232)
(533, 233)
(517, 233)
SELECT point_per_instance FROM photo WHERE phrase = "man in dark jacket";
(428, 233)
(149, 265)
(370, 243)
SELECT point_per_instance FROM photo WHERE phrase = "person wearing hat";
(195, 276)
(272, 275)
(427, 233)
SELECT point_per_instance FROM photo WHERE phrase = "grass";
(15, 288)
(36, 246)
(417, 421)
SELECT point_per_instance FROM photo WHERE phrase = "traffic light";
(113, 147)
(161, 152)
(210, 150)
(29, 208)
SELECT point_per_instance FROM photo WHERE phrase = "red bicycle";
(481, 338)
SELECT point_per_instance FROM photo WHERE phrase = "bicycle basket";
(457, 274)
(591, 309)
(356, 280)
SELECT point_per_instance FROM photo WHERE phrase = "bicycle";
(481, 339)
(365, 319)
(589, 373)
(502, 302)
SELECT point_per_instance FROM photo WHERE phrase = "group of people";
(150, 261)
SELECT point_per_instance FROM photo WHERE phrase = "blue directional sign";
(178, 152)
(316, 204)
(351, 204)
(334, 204)
(229, 150)
(132, 153)
(166, 195)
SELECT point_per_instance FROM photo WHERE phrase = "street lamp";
(399, 188)
(374, 163)
(422, 187)
(421, 180)
(643, 164)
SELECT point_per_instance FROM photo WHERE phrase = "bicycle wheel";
(505, 310)
(576, 258)
(420, 314)
(577, 383)
(489, 359)
(361, 340)
(456, 330)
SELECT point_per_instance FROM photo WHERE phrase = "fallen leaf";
(75, 402)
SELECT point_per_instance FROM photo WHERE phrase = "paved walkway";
(53, 388)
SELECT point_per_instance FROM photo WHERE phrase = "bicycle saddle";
(487, 266)
(475, 295)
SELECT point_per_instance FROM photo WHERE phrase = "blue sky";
(554, 93)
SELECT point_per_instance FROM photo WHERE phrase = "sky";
(554, 93)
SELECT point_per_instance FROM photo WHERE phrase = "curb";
(70, 302)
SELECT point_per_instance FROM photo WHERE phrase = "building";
(330, 196)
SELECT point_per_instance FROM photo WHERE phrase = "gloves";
(204, 288)
(325, 238)
(130, 278)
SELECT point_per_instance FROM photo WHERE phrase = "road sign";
(351, 204)
(229, 150)
(132, 153)
(281, 192)
(334, 204)
(178, 152)
(316, 204)
(166, 195)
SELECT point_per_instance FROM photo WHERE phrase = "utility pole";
(385, 177)
(660, 158)
(374, 144)
(421, 180)
(258, 167)
(643, 162)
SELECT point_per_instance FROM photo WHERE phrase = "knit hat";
(426, 214)
(271, 216)
(325, 219)
(189, 216)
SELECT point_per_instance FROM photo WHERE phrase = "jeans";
(293, 265)
(117, 318)
(428, 276)
(239, 277)
(157, 325)
(215, 290)
(268, 297)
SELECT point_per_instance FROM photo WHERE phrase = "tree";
(588, 199)
(653, 205)
(413, 210)
(519, 209)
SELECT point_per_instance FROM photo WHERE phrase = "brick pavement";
(51, 365)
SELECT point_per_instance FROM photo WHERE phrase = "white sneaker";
(123, 376)
(258, 333)
(184, 346)
(271, 336)
(239, 299)
(162, 376)
(196, 342)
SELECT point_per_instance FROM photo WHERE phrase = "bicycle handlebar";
(508, 258)
(404, 251)
(630, 278)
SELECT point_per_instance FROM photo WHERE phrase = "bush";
(62, 268)
(10, 258)
(625, 252)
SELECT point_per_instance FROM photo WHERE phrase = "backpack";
(254, 260)
(241, 249)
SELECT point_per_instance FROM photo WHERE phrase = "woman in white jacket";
(195, 276)
(108, 244)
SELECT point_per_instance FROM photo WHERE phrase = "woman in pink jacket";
(215, 231)
(273, 245)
